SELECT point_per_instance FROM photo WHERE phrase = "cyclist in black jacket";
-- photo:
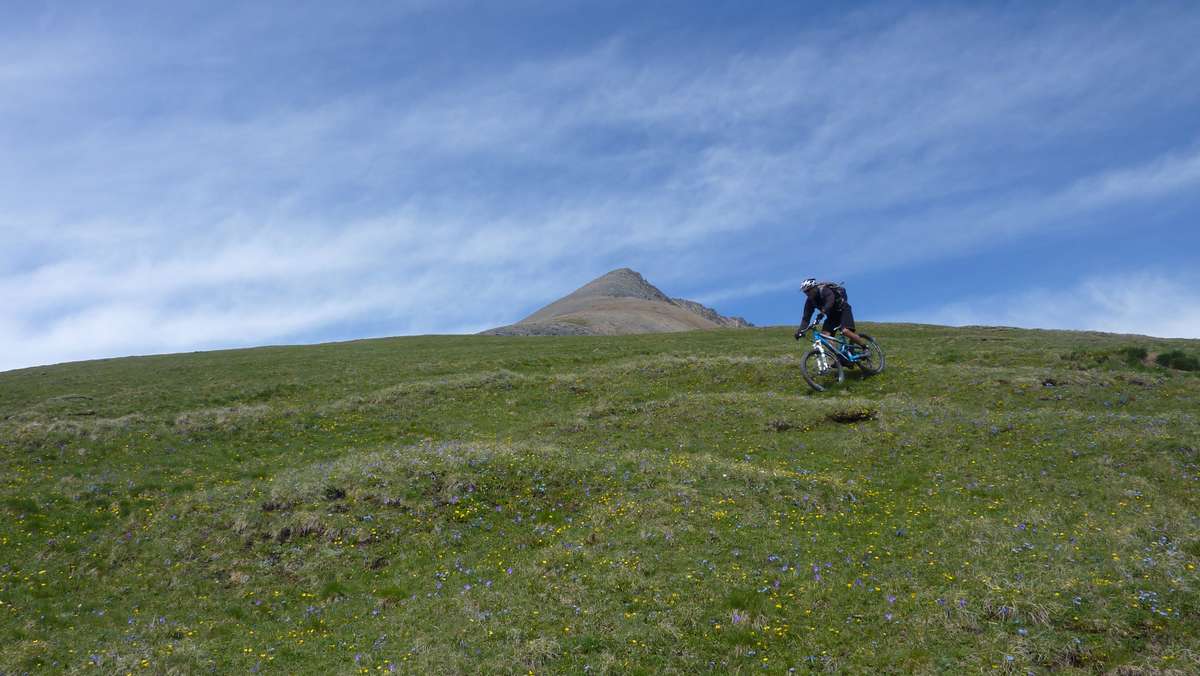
(831, 299)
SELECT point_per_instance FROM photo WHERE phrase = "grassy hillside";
(1002, 499)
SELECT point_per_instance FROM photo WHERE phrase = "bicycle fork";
(822, 357)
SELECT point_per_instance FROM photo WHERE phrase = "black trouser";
(842, 315)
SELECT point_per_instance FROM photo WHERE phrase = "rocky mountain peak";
(620, 283)
(615, 303)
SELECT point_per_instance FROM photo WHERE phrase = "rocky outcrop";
(711, 314)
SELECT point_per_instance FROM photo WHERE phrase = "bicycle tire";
(873, 363)
(821, 371)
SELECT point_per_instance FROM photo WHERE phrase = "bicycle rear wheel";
(821, 370)
(871, 360)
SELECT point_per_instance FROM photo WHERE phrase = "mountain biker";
(830, 299)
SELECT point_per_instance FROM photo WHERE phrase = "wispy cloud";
(953, 229)
(944, 232)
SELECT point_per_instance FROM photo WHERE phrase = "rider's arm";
(809, 306)
(808, 310)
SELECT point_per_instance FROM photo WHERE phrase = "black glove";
(799, 333)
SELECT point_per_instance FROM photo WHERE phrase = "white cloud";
(1147, 303)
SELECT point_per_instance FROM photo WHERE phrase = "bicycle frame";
(824, 344)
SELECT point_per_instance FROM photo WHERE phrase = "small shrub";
(1179, 360)
(1132, 355)
(1087, 359)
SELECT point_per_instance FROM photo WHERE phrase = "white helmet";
(808, 284)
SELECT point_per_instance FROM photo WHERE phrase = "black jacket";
(822, 298)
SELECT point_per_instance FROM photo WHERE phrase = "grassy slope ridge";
(1016, 500)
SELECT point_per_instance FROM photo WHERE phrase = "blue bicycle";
(822, 365)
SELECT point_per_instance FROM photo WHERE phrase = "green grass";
(998, 499)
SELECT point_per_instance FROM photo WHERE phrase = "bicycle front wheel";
(871, 360)
(821, 370)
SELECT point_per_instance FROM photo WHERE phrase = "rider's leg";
(847, 317)
(854, 337)
(832, 323)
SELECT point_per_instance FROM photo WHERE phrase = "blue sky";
(183, 176)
